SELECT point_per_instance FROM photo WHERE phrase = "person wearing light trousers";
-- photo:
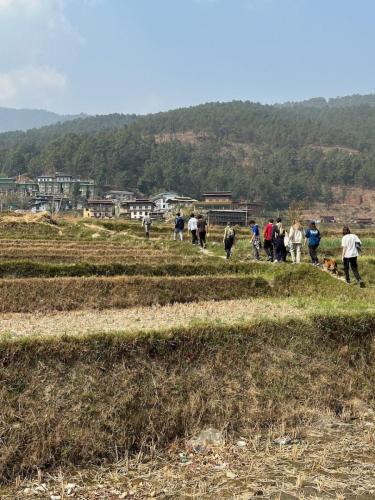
(295, 241)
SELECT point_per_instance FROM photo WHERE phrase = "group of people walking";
(278, 241)
(197, 227)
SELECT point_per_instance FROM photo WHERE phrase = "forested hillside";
(270, 154)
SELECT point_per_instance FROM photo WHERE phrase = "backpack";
(180, 223)
(230, 233)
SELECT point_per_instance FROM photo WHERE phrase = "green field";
(116, 351)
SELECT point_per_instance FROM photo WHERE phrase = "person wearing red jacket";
(267, 237)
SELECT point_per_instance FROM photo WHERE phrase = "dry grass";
(119, 371)
(27, 217)
(64, 294)
(332, 459)
(67, 251)
(97, 398)
(147, 318)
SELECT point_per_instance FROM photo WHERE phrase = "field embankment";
(64, 294)
(35, 295)
(93, 399)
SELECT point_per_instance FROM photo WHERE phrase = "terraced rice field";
(116, 351)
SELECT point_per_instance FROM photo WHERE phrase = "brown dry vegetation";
(64, 294)
(332, 459)
(93, 399)
(92, 385)
(157, 317)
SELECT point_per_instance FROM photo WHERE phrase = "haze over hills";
(24, 119)
(269, 153)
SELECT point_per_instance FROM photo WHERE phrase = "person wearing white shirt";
(192, 227)
(351, 245)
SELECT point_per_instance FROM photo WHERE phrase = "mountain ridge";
(266, 153)
(24, 119)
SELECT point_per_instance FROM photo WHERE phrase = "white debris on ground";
(331, 459)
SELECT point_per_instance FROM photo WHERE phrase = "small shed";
(222, 217)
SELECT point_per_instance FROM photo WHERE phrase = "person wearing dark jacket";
(228, 240)
(312, 237)
(202, 229)
(179, 225)
(278, 235)
(267, 240)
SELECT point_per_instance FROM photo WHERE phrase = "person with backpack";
(295, 241)
(193, 228)
(202, 228)
(351, 248)
(255, 239)
(267, 238)
(146, 223)
(179, 225)
(228, 240)
(278, 235)
(312, 237)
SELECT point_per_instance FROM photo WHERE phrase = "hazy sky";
(138, 56)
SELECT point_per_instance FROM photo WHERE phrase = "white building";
(161, 200)
(170, 201)
(137, 209)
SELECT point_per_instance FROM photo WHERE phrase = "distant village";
(61, 192)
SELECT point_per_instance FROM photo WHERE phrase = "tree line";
(271, 154)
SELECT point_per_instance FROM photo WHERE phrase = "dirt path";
(144, 318)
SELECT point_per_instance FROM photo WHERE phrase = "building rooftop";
(101, 200)
(218, 193)
(113, 191)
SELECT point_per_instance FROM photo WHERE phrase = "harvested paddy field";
(117, 352)
(146, 318)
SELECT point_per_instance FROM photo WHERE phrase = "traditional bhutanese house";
(137, 209)
(216, 200)
(217, 197)
(64, 184)
(180, 202)
(99, 208)
(161, 200)
(223, 200)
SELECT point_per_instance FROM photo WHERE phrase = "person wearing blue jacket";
(312, 237)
